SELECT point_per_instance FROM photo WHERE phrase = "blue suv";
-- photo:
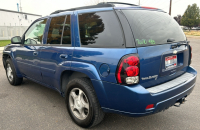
(110, 57)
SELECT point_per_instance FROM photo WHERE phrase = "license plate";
(170, 61)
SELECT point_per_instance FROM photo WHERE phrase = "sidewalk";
(1, 49)
(190, 36)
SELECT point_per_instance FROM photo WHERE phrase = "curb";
(191, 36)
(1, 49)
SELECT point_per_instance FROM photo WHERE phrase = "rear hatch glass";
(153, 27)
(159, 62)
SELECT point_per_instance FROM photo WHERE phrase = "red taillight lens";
(119, 73)
(132, 71)
(128, 70)
(132, 60)
(150, 106)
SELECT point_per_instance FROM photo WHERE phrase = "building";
(13, 23)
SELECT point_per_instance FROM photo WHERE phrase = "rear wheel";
(11, 74)
(82, 103)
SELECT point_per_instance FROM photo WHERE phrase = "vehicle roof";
(102, 6)
(99, 5)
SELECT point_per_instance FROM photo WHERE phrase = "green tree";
(191, 17)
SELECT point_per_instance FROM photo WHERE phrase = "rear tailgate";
(161, 46)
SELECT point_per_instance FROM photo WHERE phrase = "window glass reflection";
(34, 34)
(55, 30)
(100, 29)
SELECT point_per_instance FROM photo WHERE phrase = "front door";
(27, 55)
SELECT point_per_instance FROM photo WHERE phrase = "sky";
(45, 7)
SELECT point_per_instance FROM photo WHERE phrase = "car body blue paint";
(156, 61)
(132, 100)
(9, 51)
(48, 67)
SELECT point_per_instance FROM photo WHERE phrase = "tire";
(11, 74)
(91, 116)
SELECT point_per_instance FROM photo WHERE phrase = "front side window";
(34, 34)
(100, 29)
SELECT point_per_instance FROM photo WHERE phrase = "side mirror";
(16, 40)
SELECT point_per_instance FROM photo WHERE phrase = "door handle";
(63, 56)
(35, 53)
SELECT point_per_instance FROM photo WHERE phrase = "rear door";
(161, 46)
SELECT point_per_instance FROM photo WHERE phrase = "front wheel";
(11, 74)
(82, 103)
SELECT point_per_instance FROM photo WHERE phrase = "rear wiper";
(180, 44)
(170, 40)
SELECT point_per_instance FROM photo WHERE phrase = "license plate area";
(170, 62)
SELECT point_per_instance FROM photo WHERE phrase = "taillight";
(150, 106)
(128, 70)
(191, 51)
(190, 55)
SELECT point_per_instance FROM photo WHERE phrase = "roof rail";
(99, 5)
(116, 3)
(84, 7)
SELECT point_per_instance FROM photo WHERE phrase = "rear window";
(153, 27)
(100, 29)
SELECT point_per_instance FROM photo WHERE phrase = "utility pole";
(139, 2)
(170, 7)
(20, 6)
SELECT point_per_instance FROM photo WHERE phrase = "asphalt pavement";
(33, 106)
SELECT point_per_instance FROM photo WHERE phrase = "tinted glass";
(101, 29)
(67, 32)
(34, 34)
(55, 30)
(153, 27)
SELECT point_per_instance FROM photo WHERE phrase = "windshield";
(153, 27)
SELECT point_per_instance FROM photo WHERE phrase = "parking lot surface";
(33, 106)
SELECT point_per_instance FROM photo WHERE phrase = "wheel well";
(68, 75)
(5, 57)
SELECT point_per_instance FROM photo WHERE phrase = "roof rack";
(116, 3)
(99, 5)
(84, 7)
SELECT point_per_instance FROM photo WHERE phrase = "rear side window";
(56, 30)
(153, 27)
(67, 32)
(100, 29)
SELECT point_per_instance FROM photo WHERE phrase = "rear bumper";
(132, 100)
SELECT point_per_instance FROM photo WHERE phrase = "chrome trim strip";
(175, 83)
(176, 95)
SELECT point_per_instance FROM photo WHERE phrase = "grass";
(192, 33)
(4, 42)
